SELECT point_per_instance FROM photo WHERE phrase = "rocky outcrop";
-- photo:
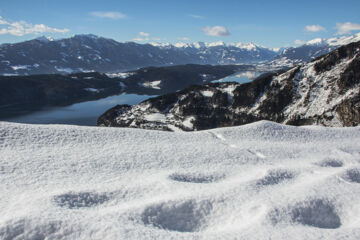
(323, 92)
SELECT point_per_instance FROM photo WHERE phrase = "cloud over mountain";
(21, 28)
(348, 27)
(217, 31)
(315, 28)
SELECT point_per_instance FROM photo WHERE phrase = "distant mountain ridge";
(316, 47)
(85, 53)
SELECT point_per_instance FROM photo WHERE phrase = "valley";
(23, 95)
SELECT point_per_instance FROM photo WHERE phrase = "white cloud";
(3, 21)
(344, 28)
(21, 28)
(184, 38)
(110, 15)
(138, 39)
(142, 37)
(216, 31)
(315, 28)
(144, 34)
(299, 42)
(196, 16)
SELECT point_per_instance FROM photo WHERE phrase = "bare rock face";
(349, 111)
(324, 92)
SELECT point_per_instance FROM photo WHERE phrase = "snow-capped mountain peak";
(215, 44)
(317, 42)
(247, 46)
(343, 40)
(160, 44)
(199, 45)
(316, 47)
(182, 45)
(45, 39)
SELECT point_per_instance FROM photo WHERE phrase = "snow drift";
(255, 181)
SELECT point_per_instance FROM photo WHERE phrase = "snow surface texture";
(258, 181)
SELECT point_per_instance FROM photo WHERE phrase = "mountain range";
(324, 92)
(85, 53)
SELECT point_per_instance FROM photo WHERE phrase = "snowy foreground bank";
(257, 181)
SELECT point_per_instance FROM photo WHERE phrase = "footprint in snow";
(274, 177)
(186, 216)
(353, 175)
(317, 213)
(330, 162)
(195, 178)
(80, 199)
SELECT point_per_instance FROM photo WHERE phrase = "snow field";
(255, 181)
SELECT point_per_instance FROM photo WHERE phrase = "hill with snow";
(249, 182)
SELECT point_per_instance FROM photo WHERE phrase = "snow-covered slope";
(250, 182)
(343, 40)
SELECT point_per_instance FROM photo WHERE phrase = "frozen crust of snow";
(248, 182)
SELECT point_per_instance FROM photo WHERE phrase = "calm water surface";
(85, 114)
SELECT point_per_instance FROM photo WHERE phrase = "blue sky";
(269, 23)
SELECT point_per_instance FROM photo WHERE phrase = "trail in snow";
(223, 139)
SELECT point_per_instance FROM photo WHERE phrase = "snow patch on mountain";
(120, 75)
(153, 84)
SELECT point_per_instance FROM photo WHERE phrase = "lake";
(240, 77)
(85, 113)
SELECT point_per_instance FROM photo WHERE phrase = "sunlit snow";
(248, 182)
